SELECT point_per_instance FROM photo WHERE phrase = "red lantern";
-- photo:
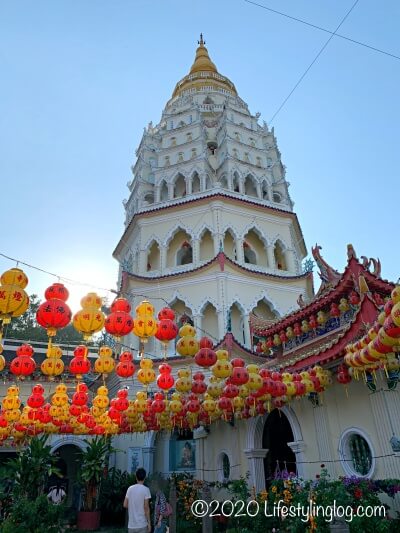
(23, 365)
(54, 313)
(121, 403)
(205, 357)
(121, 304)
(343, 375)
(239, 376)
(354, 299)
(165, 380)
(205, 342)
(166, 313)
(166, 330)
(80, 364)
(334, 311)
(119, 322)
(125, 368)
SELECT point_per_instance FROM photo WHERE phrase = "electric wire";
(374, 48)
(312, 63)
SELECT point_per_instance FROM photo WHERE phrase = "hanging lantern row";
(309, 325)
(379, 348)
(232, 391)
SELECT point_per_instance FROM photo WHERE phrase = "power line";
(313, 61)
(324, 29)
(63, 278)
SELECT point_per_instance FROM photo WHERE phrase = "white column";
(324, 440)
(197, 324)
(239, 250)
(148, 458)
(290, 260)
(196, 251)
(298, 447)
(221, 324)
(143, 261)
(188, 186)
(255, 459)
(246, 327)
(200, 434)
(156, 194)
(270, 256)
(386, 424)
(163, 258)
(170, 191)
(270, 193)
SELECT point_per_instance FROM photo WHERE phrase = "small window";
(167, 161)
(224, 467)
(173, 141)
(171, 125)
(237, 136)
(356, 454)
(258, 159)
(180, 157)
(252, 141)
(194, 153)
(188, 137)
(246, 157)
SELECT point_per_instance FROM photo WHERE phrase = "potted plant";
(92, 465)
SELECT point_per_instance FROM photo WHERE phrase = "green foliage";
(113, 492)
(93, 464)
(27, 475)
(33, 516)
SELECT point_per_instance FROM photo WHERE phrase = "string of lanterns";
(378, 349)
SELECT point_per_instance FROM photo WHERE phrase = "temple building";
(210, 231)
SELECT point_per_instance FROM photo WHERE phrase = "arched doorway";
(68, 456)
(277, 433)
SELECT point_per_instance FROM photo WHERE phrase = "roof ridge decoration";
(328, 275)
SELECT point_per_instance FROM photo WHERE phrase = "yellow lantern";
(145, 324)
(140, 402)
(395, 296)
(60, 396)
(101, 400)
(183, 383)
(238, 403)
(2, 360)
(13, 299)
(222, 368)
(146, 374)
(53, 364)
(90, 319)
(11, 400)
(175, 404)
(187, 345)
(105, 363)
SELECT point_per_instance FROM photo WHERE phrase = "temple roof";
(346, 305)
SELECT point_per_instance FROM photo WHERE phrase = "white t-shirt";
(136, 494)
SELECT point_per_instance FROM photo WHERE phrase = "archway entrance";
(277, 433)
(68, 456)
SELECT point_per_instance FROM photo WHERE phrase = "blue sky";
(80, 80)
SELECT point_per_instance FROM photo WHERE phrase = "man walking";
(137, 502)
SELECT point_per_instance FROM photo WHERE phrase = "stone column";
(239, 250)
(386, 425)
(200, 434)
(246, 327)
(143, 261)
(170, 191)
(290, 260)
(163, 258)
(156, 194)
(270, 193)
(258, 188)
(188, 186)
(196, 251)
(271, 256)
(148, 458)
(197, 323)
(221, 324)
(298, 447)
(255, 459)
(324, 441)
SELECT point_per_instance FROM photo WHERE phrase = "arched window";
(249, 254)
(164, 192)
(195, 182)
(280, 260)
(185, 254)
(224, 467)
(148, 198)
(277, 198)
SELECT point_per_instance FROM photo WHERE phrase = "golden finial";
(201, 42)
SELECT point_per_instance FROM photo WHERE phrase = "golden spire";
(203, 69)
(202, 60)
